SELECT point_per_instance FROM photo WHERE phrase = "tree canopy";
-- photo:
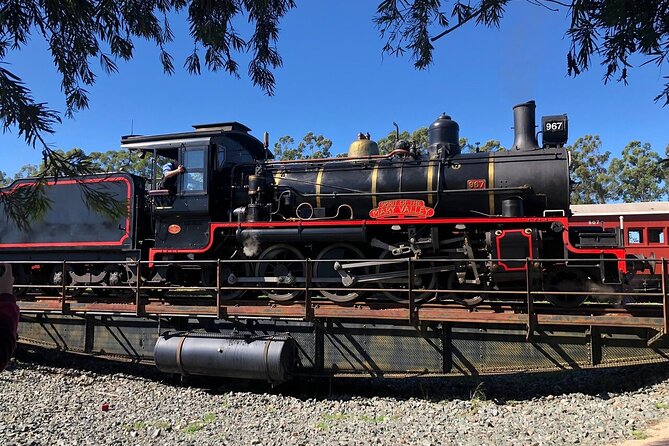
(637, 175)
(83, 31)
(589, 171)
(311, 146)
(80, 32)
(418, 137)
(597, 177)
(611, 30)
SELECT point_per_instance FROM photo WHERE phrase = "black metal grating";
(482, 350)
(377, 349)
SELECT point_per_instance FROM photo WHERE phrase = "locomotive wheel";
(564, 279)
(286, 263)
(423, 284)
(326, 270)
(467, 299)
(230, 272)
(116, 276)
(56, 278)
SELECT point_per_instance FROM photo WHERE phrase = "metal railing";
(524, 303)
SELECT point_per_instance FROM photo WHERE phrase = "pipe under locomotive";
(475, 222)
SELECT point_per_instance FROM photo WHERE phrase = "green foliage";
(615, 30)
(589, 171)
(418, 137)
(136, 426)
(4, 179)
(196, 426)
(30, 203)
(339, 416)
(27, 171)
(310, 147)
(372, 419)
(78, 33)
(99, 162)
(492, 145)
(637, 175)
(638, 434)
(123, 161)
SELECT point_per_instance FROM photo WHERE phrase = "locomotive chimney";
(523, 127)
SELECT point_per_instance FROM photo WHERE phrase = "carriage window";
(655, 235)
(193, 178)
(635, 236)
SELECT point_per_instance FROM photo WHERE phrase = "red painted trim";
(104, 179)
(619, 253)
(389, 222)
(327, 223)
(499, 248)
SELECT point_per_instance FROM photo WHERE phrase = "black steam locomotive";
(471, 220)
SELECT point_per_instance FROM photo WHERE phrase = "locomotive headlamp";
(554, 130)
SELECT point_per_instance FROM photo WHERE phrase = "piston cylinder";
(513, 207)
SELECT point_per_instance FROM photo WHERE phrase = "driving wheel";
(563, 279)
(326, 276)
(284, 266)
(422, 286)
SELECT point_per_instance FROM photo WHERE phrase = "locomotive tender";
(471, 219)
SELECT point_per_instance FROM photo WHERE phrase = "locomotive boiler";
(472, 222)
(525, 181)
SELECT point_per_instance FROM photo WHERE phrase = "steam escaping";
(251, 246)
(610, 296)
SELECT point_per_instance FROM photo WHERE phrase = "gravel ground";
(57, 399)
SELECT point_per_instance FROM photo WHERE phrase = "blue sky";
(336, 82)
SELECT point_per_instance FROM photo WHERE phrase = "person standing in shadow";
(9, 315)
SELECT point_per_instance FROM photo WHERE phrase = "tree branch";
(453, 28)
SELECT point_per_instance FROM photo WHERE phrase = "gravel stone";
(57, 399)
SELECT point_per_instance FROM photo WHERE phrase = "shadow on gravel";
(501, 388)
(27, 357)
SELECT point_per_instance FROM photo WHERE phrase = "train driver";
(170, 173)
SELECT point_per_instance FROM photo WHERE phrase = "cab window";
(192, 181)
(232, 152)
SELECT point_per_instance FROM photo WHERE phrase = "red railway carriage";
(642, 229)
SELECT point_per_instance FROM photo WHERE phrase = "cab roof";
(168, 144)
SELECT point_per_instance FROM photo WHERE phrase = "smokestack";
(524, 126)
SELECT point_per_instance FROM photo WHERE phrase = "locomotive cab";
(201, 193)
